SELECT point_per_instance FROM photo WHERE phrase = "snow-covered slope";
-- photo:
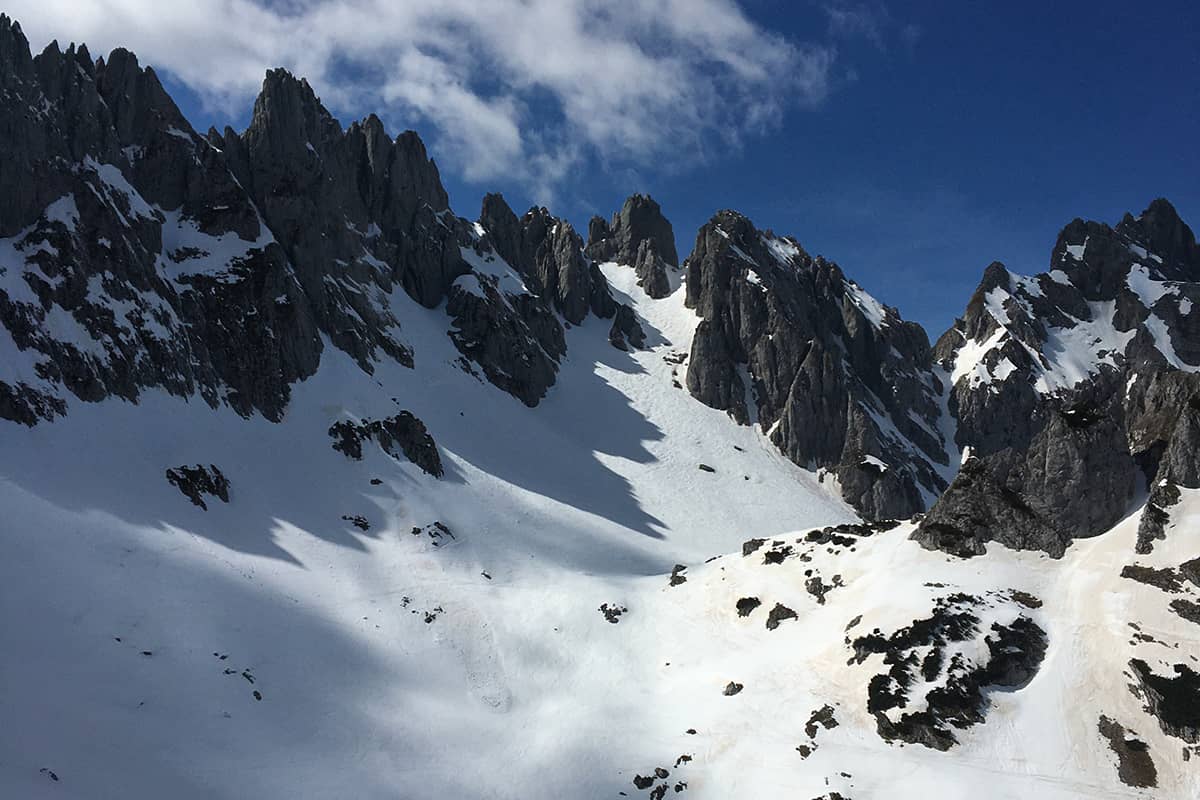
(553, 512)
(312, 488)
(476, 661)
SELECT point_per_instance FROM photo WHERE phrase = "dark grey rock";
(402, 434)
(1074, 479)
(746, 605)
(612, 612)
(1174, 701)
(514, 338)
(641, 237)
(1186, 609)
(823, 717)
(102, 141)
(787, 341)
(778, 614)
(1152, 524)
(1052, 463)
(328, 223)
(1191, 571)
(1135, 767)
(1015, 651)
(195, 482)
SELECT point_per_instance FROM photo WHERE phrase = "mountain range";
(316, 488)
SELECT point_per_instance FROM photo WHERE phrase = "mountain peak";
(289, 113)
(641, 218)
(1163, 232)
(15, 58)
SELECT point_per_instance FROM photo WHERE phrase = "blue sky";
(913, 143)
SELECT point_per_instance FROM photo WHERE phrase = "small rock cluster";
(195, 482)
(400, 434)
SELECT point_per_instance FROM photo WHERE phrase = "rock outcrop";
(402, 434)
(933, 685)
(835, 379)
(1067, 384)
(638, 236)
(135, 253)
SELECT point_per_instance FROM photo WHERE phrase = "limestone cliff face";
(135, 253)
(138, 254)
(837, 380)
(639, 236)
(1071, 387)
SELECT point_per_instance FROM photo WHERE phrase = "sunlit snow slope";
(387, 661)
(476, 661)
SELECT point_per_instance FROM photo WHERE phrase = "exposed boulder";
(195, 482)
(402, 434)
(1135, 767)
(1174, 701)
(934, 684)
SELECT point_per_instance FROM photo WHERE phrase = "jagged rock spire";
(1067, 382)
(641, 237)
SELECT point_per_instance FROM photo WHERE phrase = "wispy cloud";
(869, 20)
(516, 89)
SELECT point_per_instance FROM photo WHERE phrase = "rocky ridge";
(138, 254)
(837, 380)
(1074, 389)
(638, 235)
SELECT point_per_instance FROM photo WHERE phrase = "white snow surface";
(118, 600)
(200, 253)
(1077, 351)
(1071, 353)
(871, 308)
(1146, 288)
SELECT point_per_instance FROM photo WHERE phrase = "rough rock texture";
(1135, 767)
(638, 236)
(940, 668)
(195, 482)
(1155, 515)
(1075, 475)
(397, 435)
(353, 210)
(837, 380)
(135, 253)
(1067, 384)
(1174, 701)
(504, 314)
(548, 254)
(129, 255)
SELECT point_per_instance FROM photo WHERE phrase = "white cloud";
(514, 89)
(870, 20)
